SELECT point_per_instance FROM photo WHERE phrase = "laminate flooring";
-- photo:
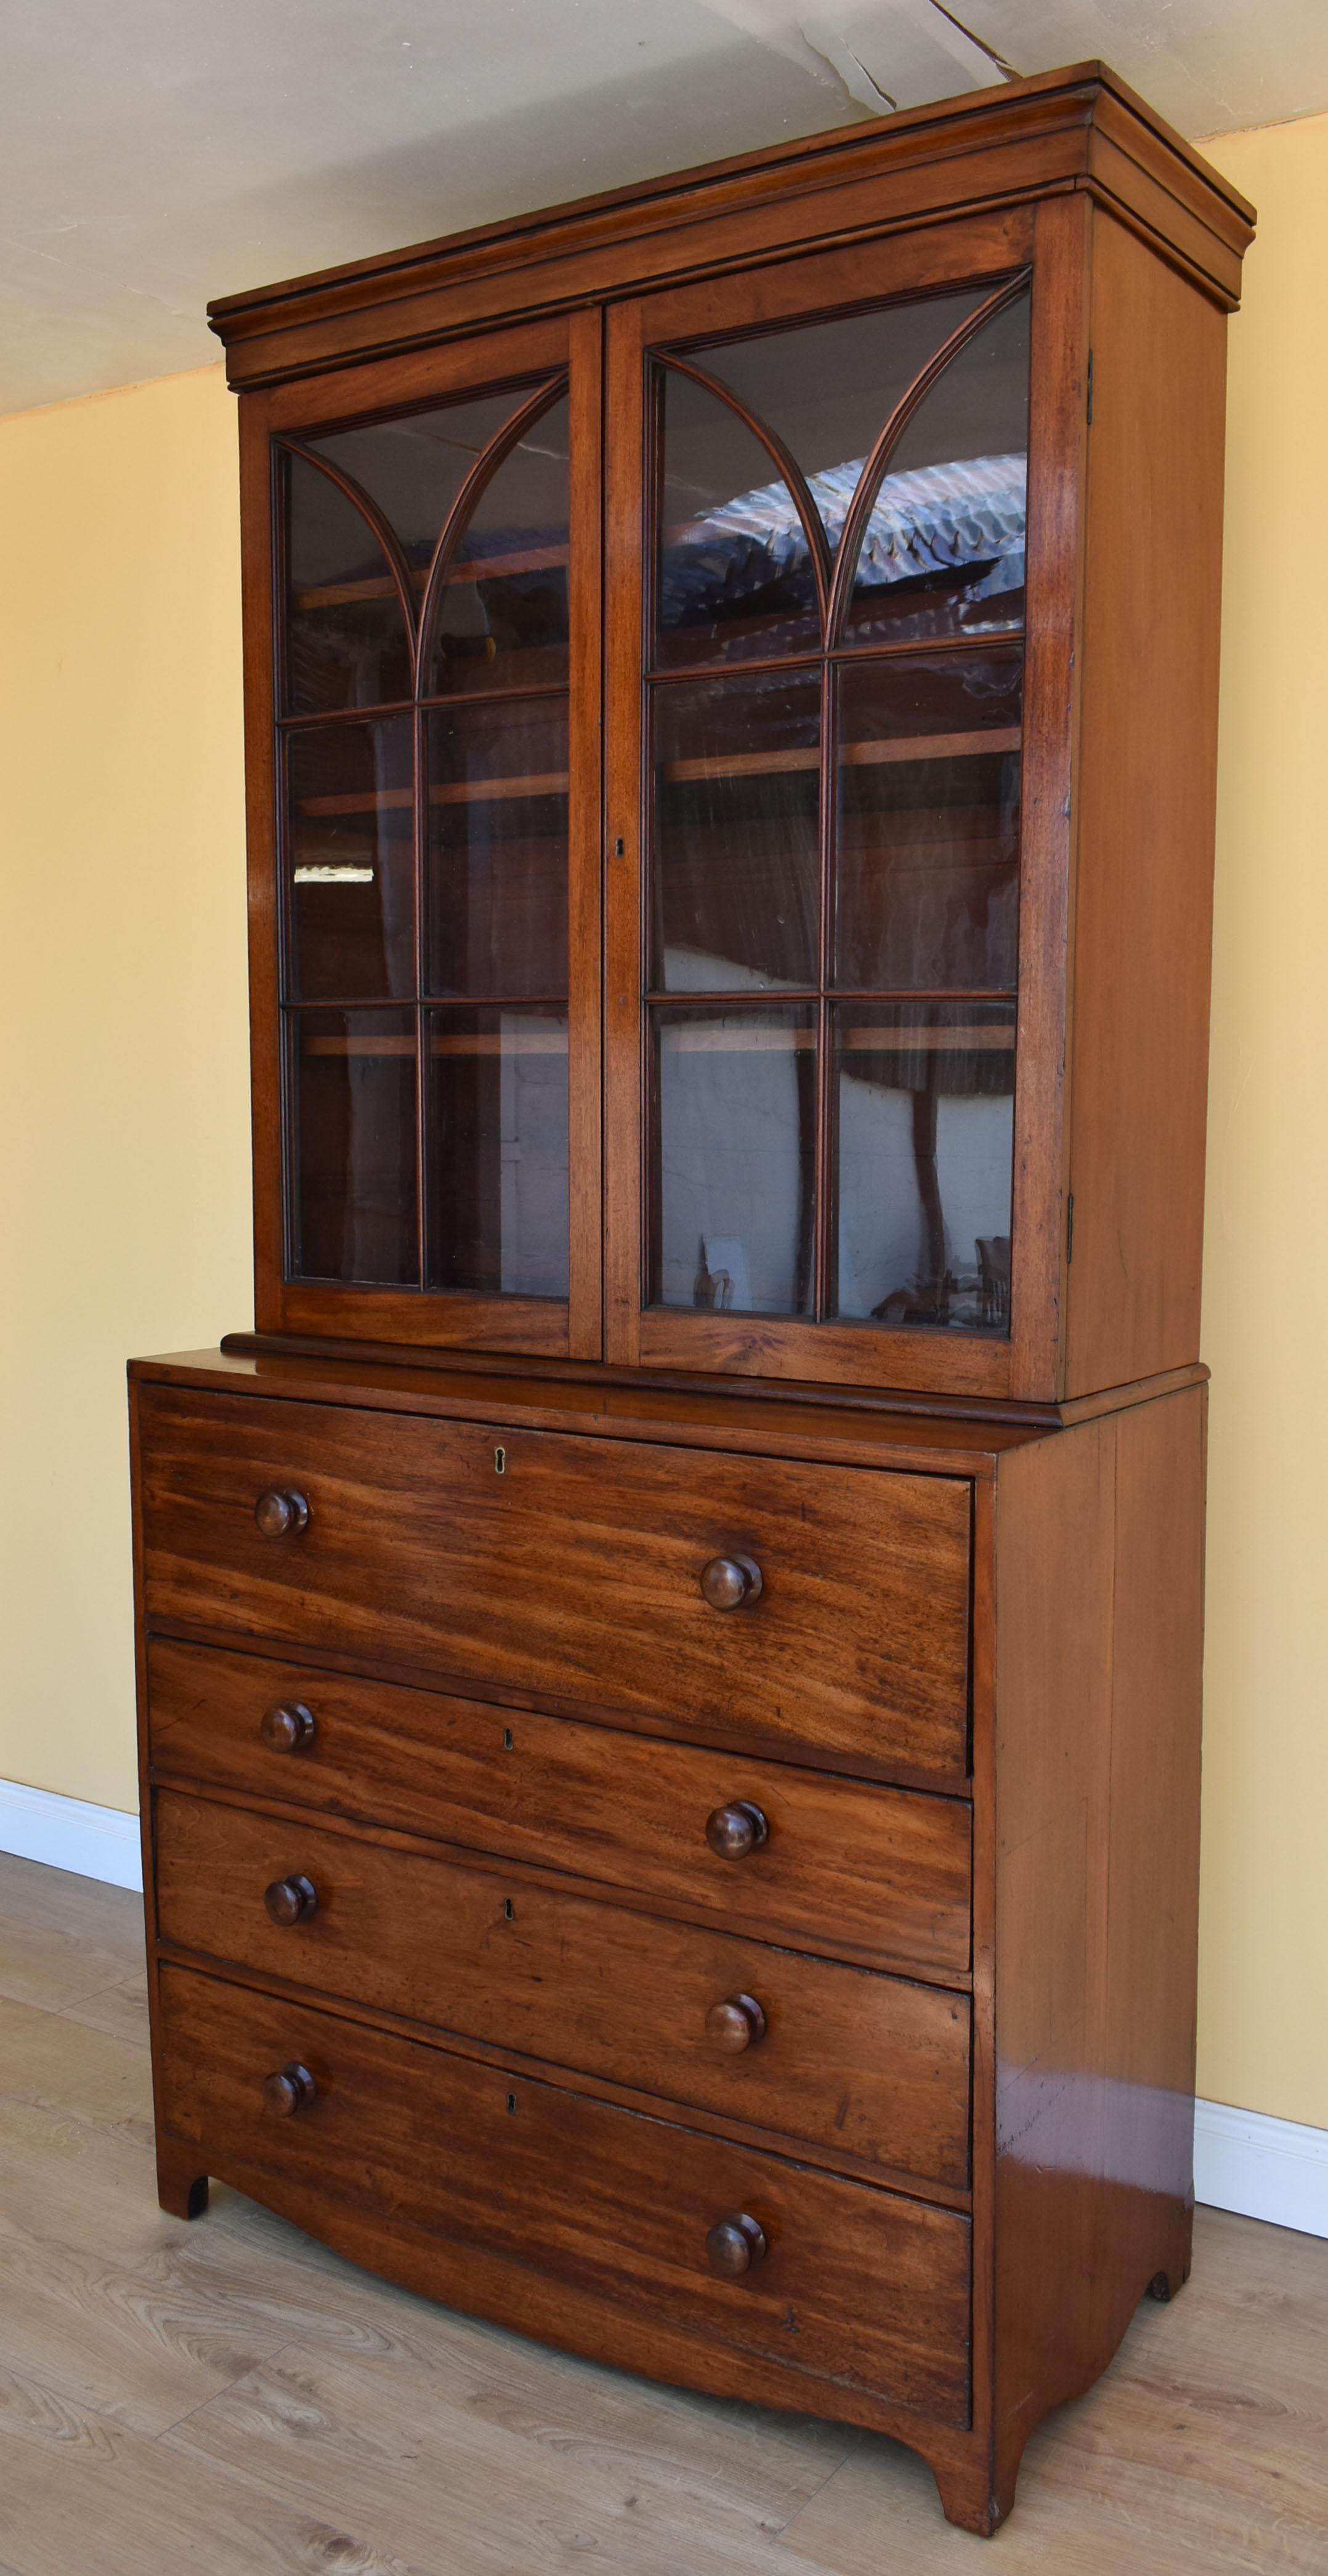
(229, 2399)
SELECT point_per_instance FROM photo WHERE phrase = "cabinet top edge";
(1079, 104)
(906, 1432)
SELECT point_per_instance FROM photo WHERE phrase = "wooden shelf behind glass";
(752, 764)
(345, 594)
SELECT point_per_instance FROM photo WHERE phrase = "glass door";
(435, 813)
(812, 1093)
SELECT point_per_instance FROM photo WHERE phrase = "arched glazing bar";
(785, 464)
(833, 871)
(892, 432)
(424, 852)
(487, 466)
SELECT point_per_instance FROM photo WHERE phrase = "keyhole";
(500, 1461)
(507, 1739)
(509, 1910)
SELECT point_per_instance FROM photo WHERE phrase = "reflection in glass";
(413, 467)
(943, 550)
(924, 1107)
(502, 616)
(353, 1129)
(927, 883)
(350, 856)
(497, 1152)
(347, 643)
(735, 580)
(735, 869)
(735, 1157)
(826, 389)
(497, 843)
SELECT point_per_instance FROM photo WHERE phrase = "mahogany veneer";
(669, 1661)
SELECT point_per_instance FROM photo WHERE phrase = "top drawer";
(570, 1568)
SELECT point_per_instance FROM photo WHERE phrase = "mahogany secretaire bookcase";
(670, 1658)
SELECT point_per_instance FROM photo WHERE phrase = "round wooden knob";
(734, 1831)
(280, 1515)
(290, 2091)
(735, 2024)
(729, 1581)
(734, 2244)
(287, 1726)
(291, 1900)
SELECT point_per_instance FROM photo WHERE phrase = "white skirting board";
(1243, 2160)
(68, 1833)
(1262, 2168)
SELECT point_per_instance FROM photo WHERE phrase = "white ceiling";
(156, 152)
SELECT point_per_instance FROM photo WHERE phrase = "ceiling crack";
(1007, 69)
(873, 84)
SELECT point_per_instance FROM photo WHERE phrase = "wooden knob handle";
(287, 1726)
(291, 2091)
(281, 1515)
(735, 2024)
(734, 2244)
(734, 1831)
(729, 1581)
(291, 1900)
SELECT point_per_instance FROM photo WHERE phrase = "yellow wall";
(123, 1020)
(126, 1157)
(1263, 2033)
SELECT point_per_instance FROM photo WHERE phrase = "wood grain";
(867, 1871)
(576, 1570)
(614, 2205)
(1099, 1656)
(1146, 797)
(866, 2064)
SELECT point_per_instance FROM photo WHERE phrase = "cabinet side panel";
(1099, 1537)
(1146, 795)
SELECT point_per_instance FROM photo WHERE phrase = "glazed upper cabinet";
(731, 811)
(815, 942)
(429, 1099)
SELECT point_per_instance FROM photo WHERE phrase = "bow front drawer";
(379, 2141)
(798, 1605)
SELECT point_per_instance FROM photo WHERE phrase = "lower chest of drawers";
(682, 2023)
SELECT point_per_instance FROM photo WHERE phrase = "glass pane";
(350, 852)
(734, 1158)
(498, 1188)
(353, 1078)
(346, 639)
(735, 570)
(924, 1115)
(943, 551)
(414, 467)
(827, 389)
(497, 890)
(928, 823)
(736, 873)
(502, 619)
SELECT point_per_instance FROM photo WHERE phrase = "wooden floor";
(229, 2399)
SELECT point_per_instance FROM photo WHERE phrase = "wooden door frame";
(522, 1326)
(1051, 242)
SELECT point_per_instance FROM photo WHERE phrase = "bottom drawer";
(851, 2282)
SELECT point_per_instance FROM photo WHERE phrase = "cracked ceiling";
(162, 151)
